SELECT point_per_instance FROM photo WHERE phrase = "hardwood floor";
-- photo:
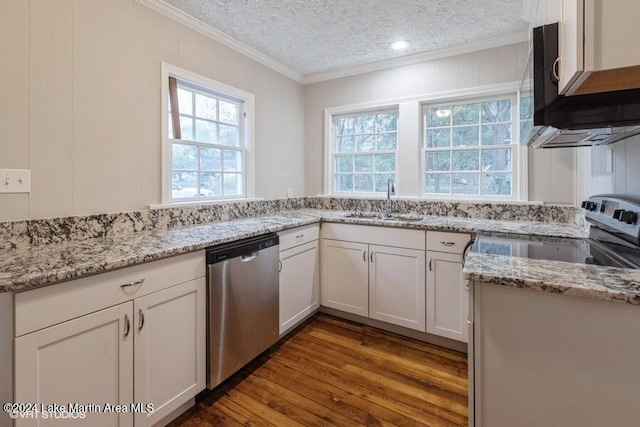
(331, 372)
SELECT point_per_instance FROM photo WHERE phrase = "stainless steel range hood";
(570, 121)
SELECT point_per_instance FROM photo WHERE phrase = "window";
(207, 141)
(364, 151)
(467, 149)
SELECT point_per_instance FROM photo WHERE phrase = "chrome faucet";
(391, 191)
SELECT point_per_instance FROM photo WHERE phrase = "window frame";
(516, 151)
(331, 120)
(246, 123)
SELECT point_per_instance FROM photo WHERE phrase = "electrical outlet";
(15, 181)
(289, 192)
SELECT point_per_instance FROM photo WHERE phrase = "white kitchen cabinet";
(374, 272)
(299, 275)
(345, 276)
(396, 286)
(148, 348)
(597, 46)
(88, 360)
(170, 353)
(447, 292)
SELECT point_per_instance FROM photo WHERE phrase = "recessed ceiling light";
(400, 45)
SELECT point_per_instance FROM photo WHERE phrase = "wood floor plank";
(332, 372)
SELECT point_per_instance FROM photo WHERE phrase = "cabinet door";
(571, 45)
(170, 348)
(299, 284)
(345, 276)
(88, 360)
(447, 297)
(397, 286)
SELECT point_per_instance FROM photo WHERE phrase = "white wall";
(80, 105)
(551, 172)
(621, 177)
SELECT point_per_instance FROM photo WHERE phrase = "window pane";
(186, 127)
(526, 107)
(525, 128)
(184, 157)
(496, 160)
(211, 184)
(346, 144)
(464, 183)
(210, 159)
(365, 124)
(465, 136)
(344, 182)
(466, 114)
(346, 126)
(438, 161)
(387, 142)
(467, 160)
(365, 143)
(229, 135)
(228, 112)
(205, 131)
(185, 101)
(496, 134)
(381, 180)
(496, 184)
(385, 163)
(438, 138)
(205, 107)
(363, 163)
(363, 182)
(439, 116)
(231, 185)
(184, 185)
(496, 111)
(232, 161)
(438, 183)
(387, 122)
(344, 164)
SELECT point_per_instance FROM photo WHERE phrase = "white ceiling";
(320, 36)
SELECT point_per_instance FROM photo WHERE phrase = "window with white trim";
(468, 149)
(207, 144)
(363, 152)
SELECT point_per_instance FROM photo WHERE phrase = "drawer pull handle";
(140, 320)
(430, 262)
(447, 243)
(364, 256)
(127, 325)
(371, 257)
(136, 283)
(299, 237)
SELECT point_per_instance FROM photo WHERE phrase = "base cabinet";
(88, 360)
(146, 354)
(345, 276)
(447, 297)
(299, 284)
(396, 286)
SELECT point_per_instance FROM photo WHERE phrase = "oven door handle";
(463, 257)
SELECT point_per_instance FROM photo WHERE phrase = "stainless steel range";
(614, 237)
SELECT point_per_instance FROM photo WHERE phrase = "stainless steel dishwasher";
(243, 303)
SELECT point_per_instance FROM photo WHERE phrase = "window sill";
(432, 199)
(203, 203)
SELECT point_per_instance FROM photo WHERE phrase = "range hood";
(570, 121)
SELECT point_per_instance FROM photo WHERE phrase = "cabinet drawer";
(447, 242)
(386, 236)
(44, 307)
(298, 236)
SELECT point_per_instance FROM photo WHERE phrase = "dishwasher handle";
(246, 249)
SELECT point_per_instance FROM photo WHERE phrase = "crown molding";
(189, 21)
(431, 55)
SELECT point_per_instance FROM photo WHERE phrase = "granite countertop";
(35, 266)
(583, 280)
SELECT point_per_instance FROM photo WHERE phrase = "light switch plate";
(15, 181)
(289, 192)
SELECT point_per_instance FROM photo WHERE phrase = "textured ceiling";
(315, 36)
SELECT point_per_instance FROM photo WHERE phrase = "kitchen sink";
(392, 217)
